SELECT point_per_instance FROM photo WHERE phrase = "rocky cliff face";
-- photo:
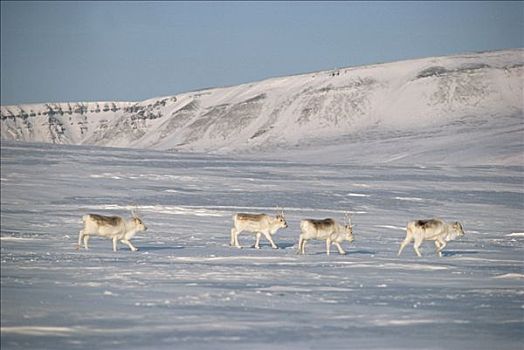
(286, 112)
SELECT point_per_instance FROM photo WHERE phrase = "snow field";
(187, 289)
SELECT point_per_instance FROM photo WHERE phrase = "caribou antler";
(134, 211)
(348, 219)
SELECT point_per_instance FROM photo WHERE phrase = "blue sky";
(131, 51)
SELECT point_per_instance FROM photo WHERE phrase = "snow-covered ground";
(187, 289)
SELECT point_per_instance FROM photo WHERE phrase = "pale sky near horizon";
(132, 51)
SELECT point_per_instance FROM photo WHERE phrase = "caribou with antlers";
(113, 227)
(259, 224)
(327, 230)
(436, 230)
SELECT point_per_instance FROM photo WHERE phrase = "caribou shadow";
(286, 245)
(361, 251)
(458, 252)
(279, 245)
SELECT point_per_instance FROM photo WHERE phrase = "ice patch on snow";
(411, 322)
(18, 239)
(391, 227)
(410, 199)
(38, 330)
(358, 195)
(417, 267)
(517, 276)
(515, 234)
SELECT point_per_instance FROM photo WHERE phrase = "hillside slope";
(322, 109)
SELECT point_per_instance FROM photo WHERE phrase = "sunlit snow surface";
(187, 289)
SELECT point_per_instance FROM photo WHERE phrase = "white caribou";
(113, 227)
(259, 224)
(431, 230)
(326, 229)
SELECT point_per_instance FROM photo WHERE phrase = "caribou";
(431, 230)
(113, 227)
(328, 230)
(259, 224)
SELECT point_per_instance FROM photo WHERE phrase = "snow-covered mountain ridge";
(321, 108)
